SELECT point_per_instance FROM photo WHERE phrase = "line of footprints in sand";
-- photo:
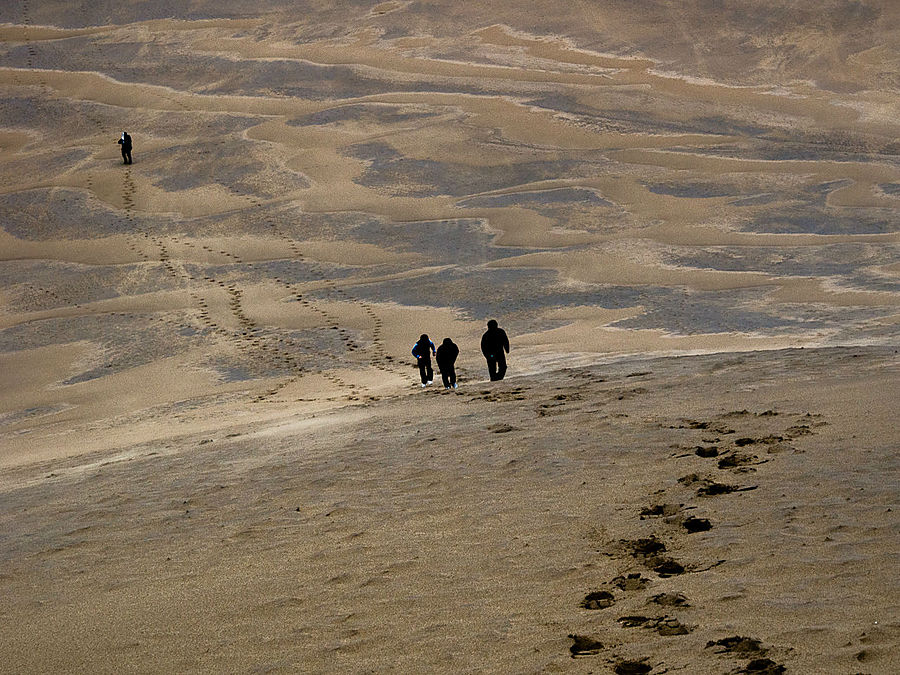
(734, 455)
(275, 351)
(30, 49)
(381, 359)
(264, 346)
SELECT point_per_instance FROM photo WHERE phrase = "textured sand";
(314, 185)
(478, 530)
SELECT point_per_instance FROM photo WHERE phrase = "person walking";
(446, 359)
(423, 350)
(125, 142)
(495, 347)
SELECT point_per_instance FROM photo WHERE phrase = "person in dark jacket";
(125, 142)
(423, 350)
(446, 360)
(495, 347)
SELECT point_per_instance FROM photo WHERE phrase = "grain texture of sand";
(696, 514)
(214, 451)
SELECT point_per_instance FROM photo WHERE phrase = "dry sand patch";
(479, 530)
(312, 189)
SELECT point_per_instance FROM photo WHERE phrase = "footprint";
(736, 644)
(713, 489)
(632, 582)
(765, 440)
(670, 600)
(583, 645)
(661, 511)
(633, 621)
(645, 546)
(710, 488)
(666, 567)
(669, 626)
(640, 667)
(762, 667)
(697, 424)
(736, 460)
(598, 600)
(693, 524)
(799, 430)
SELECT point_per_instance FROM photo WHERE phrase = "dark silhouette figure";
(495, 347)
(423, 350)
(446, 360)
(125, 142)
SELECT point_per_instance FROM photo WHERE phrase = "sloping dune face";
(316, 184)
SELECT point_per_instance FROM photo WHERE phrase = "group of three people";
(494, 347)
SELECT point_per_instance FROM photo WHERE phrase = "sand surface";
(196, 345)
(693, 514)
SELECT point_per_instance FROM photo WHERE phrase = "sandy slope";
(315, 184)
(463, 531)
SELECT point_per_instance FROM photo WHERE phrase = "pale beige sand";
(314, 186)
(461, 532)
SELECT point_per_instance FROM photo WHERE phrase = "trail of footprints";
(275, 351)
(30, 49)
(727, 450)
(43, 298)
(379, 359)
(248, 339)
(262, 344)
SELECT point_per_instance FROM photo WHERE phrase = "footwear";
(455, 386)
(430, 381)
(423, 385)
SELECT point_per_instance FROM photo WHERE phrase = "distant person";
(125, 142)
(495, 347)
(423, 350)
(446, 359)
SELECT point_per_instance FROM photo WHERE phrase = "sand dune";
(727, 513)
(315, 185)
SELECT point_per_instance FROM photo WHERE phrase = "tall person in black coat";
(495, 347)
(446, 360)
(125, 142)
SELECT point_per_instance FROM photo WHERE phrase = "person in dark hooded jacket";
(446, 360)
(495, 347)
(423, 350)
(125, 142)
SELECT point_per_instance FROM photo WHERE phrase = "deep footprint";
(763, 667)
(736, 460)
(633, 621)
(668, 626)
(714, 489)
(707, 452)
(737, 644)
(598, 600)
(643, 547)
(632, 667)
(583, 645)
(666, 567)
(693, 524)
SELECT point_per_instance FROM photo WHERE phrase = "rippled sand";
(314, 185)
(312, 189)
